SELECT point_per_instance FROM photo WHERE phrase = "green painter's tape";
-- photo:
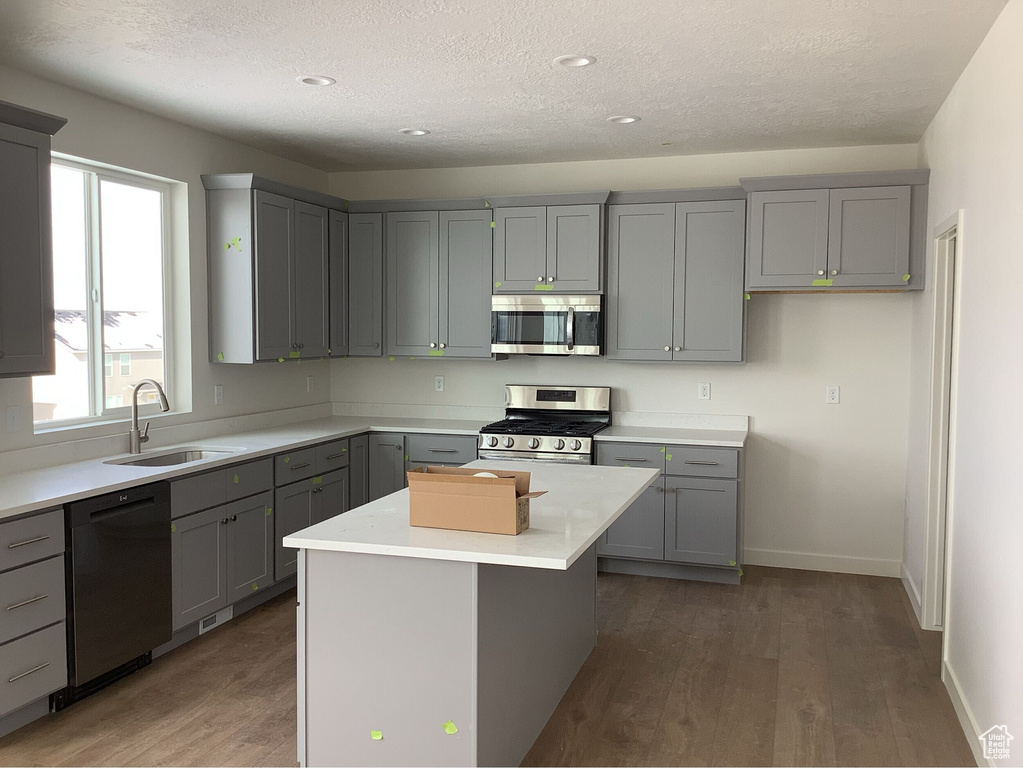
(344, 450)
(740, 573)
(497, 284)
(280, 359)
(905, 278)
(450, 727)
(391, 358)
(731, 563)
(328, 351)
(317, 480)
(376, 735)
(667, 456)
(822, 283)
(492, 225)
(542, 287)
(436, 353)
(486, 203)
(287, 459)
(747, 297)
(294, 355)
(220, 357)
(663, 449)
(173, 527)
(235, 478)
(406, 457)
(255, 587)
(269, 511)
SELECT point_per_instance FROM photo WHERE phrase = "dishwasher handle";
(114, 504)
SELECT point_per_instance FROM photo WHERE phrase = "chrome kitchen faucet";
(136, 438)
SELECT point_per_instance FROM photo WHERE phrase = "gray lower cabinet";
(250, 550)
(26, 259)
(301, 504)
(675, 287)
(358, 471)
(440, 449)
(438, 274)
(639, 532)
(829, 238)
(365, 285)
(386, 464)
(557, 247)
(700, 520)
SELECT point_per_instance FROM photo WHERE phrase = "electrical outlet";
(703, 390)
(438, 383)
(308, 384)
(218, 394)
(834, 394)
(13, 418)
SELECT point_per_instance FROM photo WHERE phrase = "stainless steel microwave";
(546, 325)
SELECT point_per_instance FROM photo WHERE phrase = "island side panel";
(390, 647)
(536, 627)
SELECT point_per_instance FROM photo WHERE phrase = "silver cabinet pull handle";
(334, 456)
(300, 466)
(26, 674)
(23, 603)
(442, 450)
(17, 544)
(702, 463)
(626, 458)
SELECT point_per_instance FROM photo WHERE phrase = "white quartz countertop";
(580, 504)
(24, 492)
(719, 438)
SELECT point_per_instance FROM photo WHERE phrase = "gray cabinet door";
(412, 282)
(520, 249)
(311, 281)
(639, 532)
(700, 519)
(709, 303)
(868, 236)
(338, 294)
(574, 248)
(293, 506)
(365, 284)
(386, 464)
(26, 261)
(330, 496)
(250, 545)
(466, 263)
(358, 471)
(641, 258)
(198, 551)
(275, 217)
(788, 238)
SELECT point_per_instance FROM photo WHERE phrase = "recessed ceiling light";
(623, 119)
(575, 60)
(315, 80)
(414, 131)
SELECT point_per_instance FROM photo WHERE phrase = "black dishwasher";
(118, 586)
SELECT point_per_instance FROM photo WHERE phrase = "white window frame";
(94, 290)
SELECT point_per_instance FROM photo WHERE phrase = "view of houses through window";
(108, 266)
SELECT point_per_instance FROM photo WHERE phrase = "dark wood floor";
(791, 668)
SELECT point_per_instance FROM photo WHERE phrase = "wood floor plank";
(803, 733)
(861, 723)
(758, 621)
(746, 721)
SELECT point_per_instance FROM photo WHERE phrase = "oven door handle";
(570, 328)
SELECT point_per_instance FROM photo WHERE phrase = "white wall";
(974, 148)
(825, 484)
(107, 132)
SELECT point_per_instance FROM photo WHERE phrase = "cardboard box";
(452, 497)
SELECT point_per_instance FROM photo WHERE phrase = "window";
(109, 267)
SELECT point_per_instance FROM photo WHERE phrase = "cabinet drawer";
(702, 462)
(441, 449)
(248, 479)
(31, 538)
(332, 455)
(190, 494)
(32, 597)
(297, 465)
(32, 667)
(643, 455)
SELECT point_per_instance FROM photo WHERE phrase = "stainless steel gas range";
(554, 424)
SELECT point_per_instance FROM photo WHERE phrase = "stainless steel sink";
(171, 458)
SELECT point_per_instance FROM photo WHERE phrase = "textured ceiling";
(704, 75)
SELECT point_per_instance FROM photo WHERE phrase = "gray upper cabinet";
(338, 296)
(365, 285)
(270, 254)
(558, 248)
(386, 464)
(26, 250)
(867, 235)
(675, 281)
(438, 270)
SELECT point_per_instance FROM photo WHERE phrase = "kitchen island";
(420, 646)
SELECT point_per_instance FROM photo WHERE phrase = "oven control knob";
(575, 445)
(492, 441)
(559, 444)
(508, 442)
(534, 443)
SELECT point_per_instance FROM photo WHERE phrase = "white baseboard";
(965, 714)
(808, 561)
(914, 595)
